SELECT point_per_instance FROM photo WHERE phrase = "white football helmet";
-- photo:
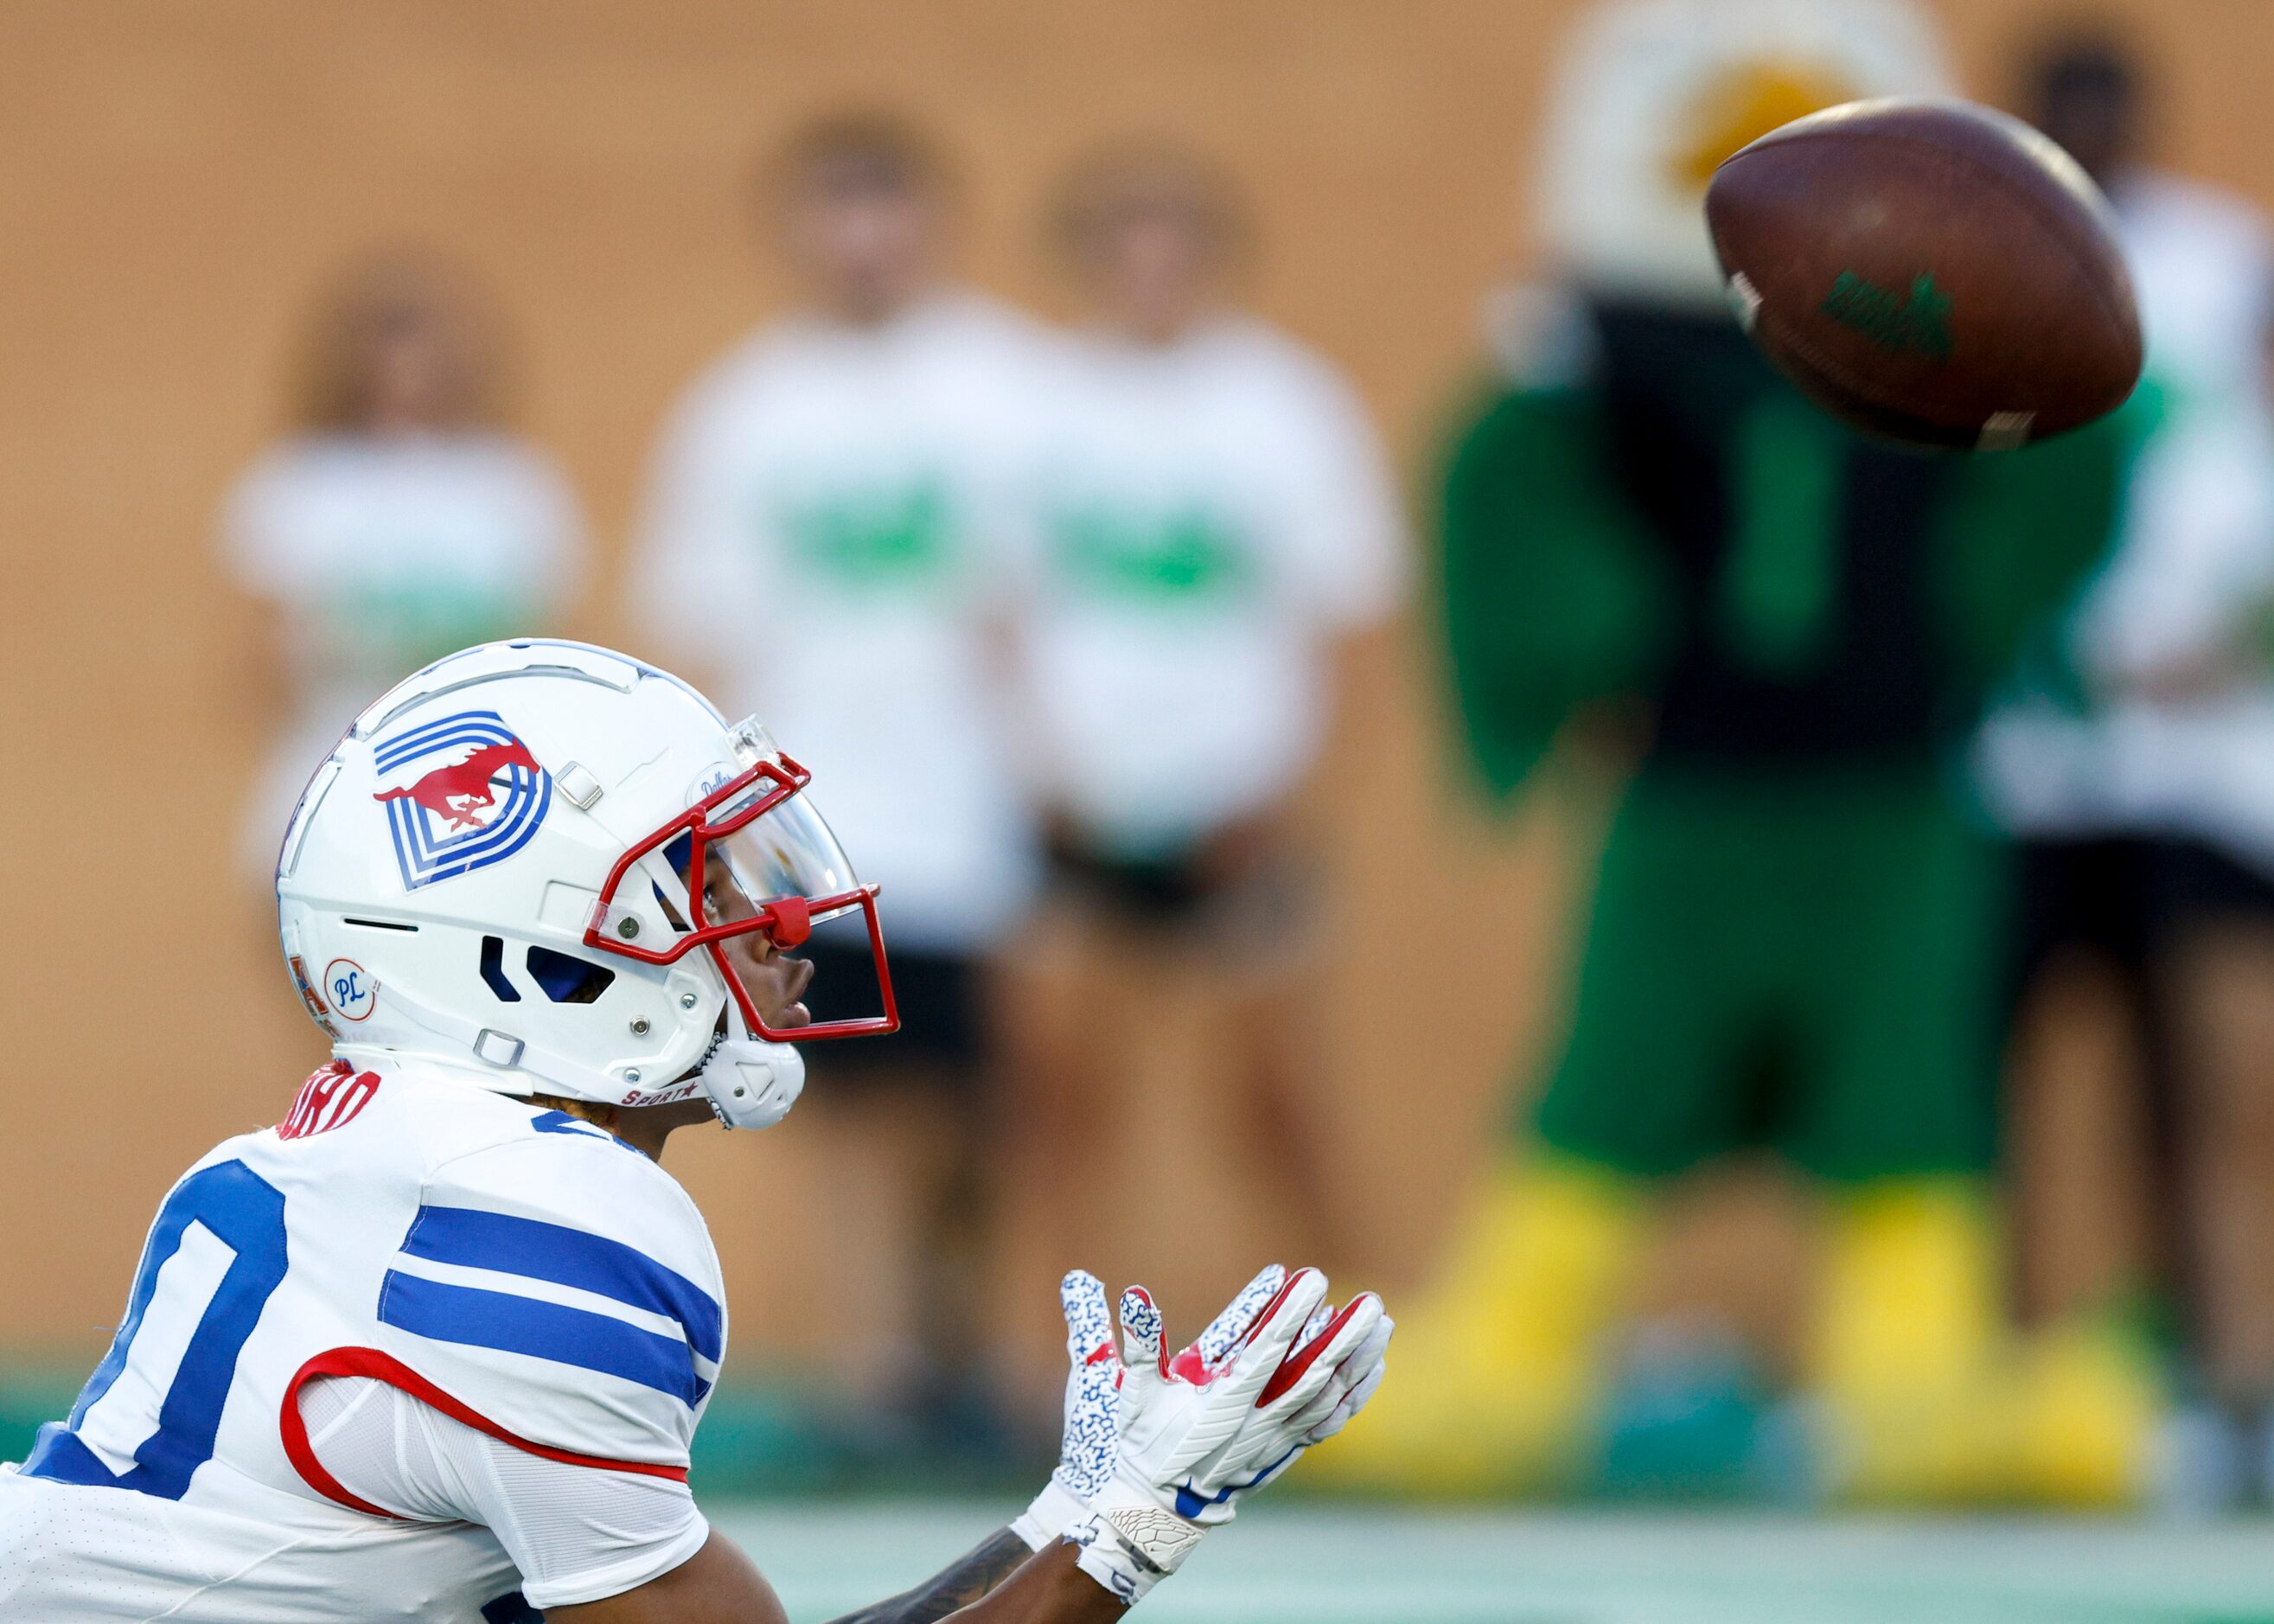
(527, 863)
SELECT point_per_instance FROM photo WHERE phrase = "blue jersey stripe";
(535, 1249)
(541, 1330)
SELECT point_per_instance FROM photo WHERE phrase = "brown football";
(1929, 271)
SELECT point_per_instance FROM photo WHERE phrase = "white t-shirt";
(827, 539)
(384, 553)
(2200, 260)
(2195, 556)
(2194, 579)
(1213, 513)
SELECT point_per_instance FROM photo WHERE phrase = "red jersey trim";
(370, 1363)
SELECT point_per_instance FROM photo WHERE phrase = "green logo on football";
(1920, 322)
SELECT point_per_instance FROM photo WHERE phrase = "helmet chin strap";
(751, 1082)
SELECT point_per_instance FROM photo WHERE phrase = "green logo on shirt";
(872, 538)
(1920, 322)
(1183, 556)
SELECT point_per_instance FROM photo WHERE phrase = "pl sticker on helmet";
(351, 989)
(466, 794)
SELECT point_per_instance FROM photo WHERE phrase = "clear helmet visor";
(773, 879)
(786, 850)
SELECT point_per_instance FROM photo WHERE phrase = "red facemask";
(755, 858)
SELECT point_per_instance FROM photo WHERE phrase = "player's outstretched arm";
(1000, 1582)
(974, 1574)
(1157, 1451)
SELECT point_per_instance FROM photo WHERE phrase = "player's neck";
(644, 1128)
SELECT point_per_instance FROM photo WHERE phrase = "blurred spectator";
(2137, 764)
(398, 522)
(829, 543)
(1791, 935)
(1217, 525)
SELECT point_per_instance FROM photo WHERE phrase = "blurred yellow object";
(1905, 1351)
(1926, 1399)
(1493, 1376)
(1909, 1291)
(1929, 1400)
(1749, 100)
(2086, 1407)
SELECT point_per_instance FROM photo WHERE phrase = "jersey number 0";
(222, 1234)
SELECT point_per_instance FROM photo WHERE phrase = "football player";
(435, 1346)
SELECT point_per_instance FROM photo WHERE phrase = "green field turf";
(1325, 1566)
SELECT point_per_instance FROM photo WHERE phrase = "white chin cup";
(751, 1083)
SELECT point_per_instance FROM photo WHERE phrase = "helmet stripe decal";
(479, 798)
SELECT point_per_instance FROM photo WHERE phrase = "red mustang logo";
(459, 793)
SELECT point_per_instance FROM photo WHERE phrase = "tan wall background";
(178, 176)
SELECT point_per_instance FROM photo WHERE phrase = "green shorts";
(1805, 960)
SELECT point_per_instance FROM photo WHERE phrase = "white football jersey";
(518, 1270)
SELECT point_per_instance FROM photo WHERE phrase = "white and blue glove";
(1091, 1441)
(1157, 1450)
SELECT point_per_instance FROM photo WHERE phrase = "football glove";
(1195, 1434)
(1090, 1438)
